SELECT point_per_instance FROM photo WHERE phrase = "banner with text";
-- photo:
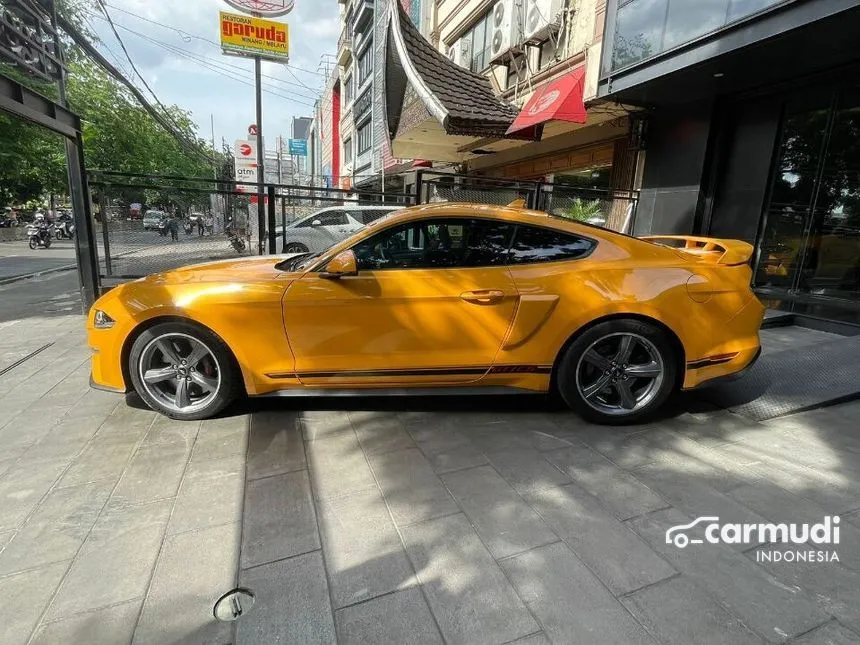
(250, 36)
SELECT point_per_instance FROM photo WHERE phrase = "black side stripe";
(436, 371)
(708, 362)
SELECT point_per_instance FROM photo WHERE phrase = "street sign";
(250, 36)
(245, 151)
(299, 147)
(247, 174)
(267, 8)
(253, 130)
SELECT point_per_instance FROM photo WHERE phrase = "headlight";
(102, 320)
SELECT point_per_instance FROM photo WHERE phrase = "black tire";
(34, 244)
(59, 235)
(652, 349)
(295, 247)
(230, 385)
(48, 242)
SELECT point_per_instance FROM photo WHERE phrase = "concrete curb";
(27, 276)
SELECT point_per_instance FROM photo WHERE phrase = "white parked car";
(322, 229)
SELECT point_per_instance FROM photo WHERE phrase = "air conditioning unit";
(461, 53)
(507, 26)
(542, 18)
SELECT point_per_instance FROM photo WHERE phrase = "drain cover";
(234, 604)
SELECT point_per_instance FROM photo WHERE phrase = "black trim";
(727, 377)
(432, 371)
(708, 362)
(105, 388)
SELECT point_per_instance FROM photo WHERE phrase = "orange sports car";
(443, 298)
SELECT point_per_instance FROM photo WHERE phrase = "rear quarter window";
(533, 244)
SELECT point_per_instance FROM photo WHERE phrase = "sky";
(174, 46)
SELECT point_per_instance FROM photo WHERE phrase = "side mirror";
(316, 222)
(343, 264)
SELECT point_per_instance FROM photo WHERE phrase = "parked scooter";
(65, 230)
(40, 234)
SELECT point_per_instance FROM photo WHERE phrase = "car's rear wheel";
(183, 371)
(295, 247)
(620, 371)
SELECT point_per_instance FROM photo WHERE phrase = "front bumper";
(106, 388)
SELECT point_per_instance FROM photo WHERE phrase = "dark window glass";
(638, 31)
(330, 218)
(436, 244)
(533, 244)
(347, 91)
(347, 151)
(689, 20)
(741, 8)
(365, 140)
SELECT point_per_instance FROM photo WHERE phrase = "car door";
(432, 302)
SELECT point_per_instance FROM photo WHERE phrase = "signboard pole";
(261, 155)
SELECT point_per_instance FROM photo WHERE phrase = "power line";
(201, 38)
(96, 55)
(134, 67)
(209, 61)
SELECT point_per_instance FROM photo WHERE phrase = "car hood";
(235, 270)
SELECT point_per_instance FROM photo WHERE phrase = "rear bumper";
(732, 376)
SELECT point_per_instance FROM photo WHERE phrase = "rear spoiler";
(708, 249)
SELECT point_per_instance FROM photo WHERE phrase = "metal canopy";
(30, 105)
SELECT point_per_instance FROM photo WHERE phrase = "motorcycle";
(188, 226)
(40, 235)
(235, 240)
(162, 227)
(65, 230)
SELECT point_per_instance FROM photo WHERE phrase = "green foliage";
(118, 135)
(583, 210)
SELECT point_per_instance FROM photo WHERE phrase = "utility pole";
(261, 155)
(214, 163)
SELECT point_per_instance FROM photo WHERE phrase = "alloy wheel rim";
(180, 372)
(620, 374)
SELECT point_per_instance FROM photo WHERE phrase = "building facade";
(751, 123)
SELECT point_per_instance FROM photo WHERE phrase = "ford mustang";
(441, 298)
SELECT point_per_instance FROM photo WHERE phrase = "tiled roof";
(473, 108)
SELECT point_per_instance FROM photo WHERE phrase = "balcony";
(344, 47)
(362, 12)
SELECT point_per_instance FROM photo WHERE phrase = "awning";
(559, 100)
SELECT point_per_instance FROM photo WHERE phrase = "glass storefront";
(810, 240)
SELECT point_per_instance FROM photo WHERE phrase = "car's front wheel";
(183, 371)
(619, 371)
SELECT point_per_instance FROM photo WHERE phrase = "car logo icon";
(245, 149)
(675, 535)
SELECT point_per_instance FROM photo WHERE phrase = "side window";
(533, 244)
(436, 244)
(330, 218)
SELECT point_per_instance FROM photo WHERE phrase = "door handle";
(483, 296)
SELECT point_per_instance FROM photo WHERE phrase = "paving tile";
(292, 603)
(5, 538)
(694, 497)
(25, 596)
(111, 625)
(105, 457)
(380, 432)
(468, 594)
(275, 445)
(212, 493)
(223, 437)
(520, 432)
(504, 522)
(569, 600)
(678, 612)
(170, 431)
(338, 466)
(22, 488)
(318, 424)
(526, 469)
(607, 546)
(193, 571)
(618, 490)
(280, 521)
(57, 529)
(412, 490)
(400, 618)
(154, 472)
(447, 450)
(115, 563)
(535, 639)
(715, 427)
(364, 555)
(765, 605)
(830, 634)
(630, 447)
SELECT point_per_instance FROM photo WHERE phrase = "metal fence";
(151, 223)
(147, 224)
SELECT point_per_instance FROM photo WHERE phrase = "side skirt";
(399, 391)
